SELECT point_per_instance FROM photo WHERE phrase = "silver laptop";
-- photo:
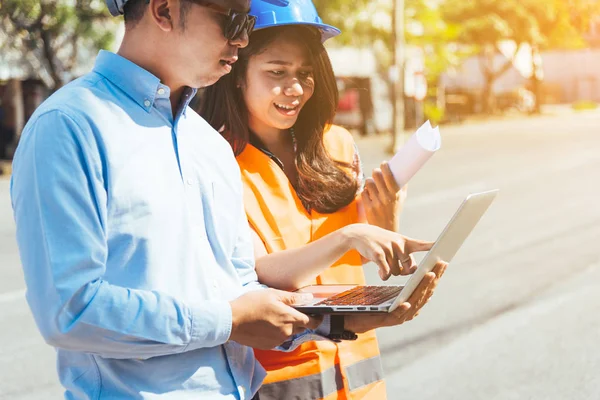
(350, 299)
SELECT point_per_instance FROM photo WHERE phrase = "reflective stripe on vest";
(277, 215)
(323, 384)
(314, 386)
(364, 373)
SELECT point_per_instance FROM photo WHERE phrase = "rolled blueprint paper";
(415, 153)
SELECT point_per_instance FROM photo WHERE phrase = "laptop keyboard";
(362, 295)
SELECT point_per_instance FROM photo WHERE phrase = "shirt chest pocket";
(143, 200)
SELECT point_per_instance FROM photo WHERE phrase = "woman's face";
(279, 82)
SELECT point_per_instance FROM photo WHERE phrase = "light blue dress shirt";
(133, 240)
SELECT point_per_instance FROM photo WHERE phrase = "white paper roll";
(415, 153)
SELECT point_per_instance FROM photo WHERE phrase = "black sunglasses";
(236, 24)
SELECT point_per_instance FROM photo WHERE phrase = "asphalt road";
(516, 315)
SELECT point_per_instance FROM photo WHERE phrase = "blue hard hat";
(271, 13)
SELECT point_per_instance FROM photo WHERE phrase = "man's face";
(199, 51)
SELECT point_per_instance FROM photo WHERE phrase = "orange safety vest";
(316, 369)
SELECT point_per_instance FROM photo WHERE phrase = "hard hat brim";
(327, 31)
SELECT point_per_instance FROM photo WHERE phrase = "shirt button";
(190, 182)
(161, 91)
(147, 103)
(215, 284)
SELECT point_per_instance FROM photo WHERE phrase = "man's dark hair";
(134, 10)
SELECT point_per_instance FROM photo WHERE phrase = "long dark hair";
(323, 184)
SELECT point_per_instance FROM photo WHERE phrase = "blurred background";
(515, 86)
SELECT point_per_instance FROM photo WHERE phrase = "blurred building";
(25, 83)
(362, 90)
(566, 76)
(22, 90)
(365, 102)
(18, 100)
(571, 76)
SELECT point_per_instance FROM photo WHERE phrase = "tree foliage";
(543, 24)
(54, 37)
(450, 30)
(368, 23)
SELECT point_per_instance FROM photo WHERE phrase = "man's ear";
(161, 12)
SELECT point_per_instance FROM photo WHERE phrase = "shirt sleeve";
(308, 335)
(60, 208)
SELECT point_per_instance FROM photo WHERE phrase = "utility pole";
(397, 75)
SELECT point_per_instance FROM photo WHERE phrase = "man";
(130, 224)
(135, 247)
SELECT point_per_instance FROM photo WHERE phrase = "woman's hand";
(391, 251)
(383, 199)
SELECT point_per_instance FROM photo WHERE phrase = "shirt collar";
(256, 142)
(141, 85)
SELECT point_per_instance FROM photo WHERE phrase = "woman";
(301, 180)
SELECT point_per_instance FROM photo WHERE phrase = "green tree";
(54, 37)
(543, 24)
(356, 20)
(368, 23)
(561, 24)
